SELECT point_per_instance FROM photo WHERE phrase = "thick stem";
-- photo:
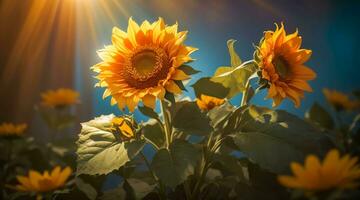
(167, 123)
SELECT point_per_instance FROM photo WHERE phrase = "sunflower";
(37, 182)
(208, 102)
(125, 126)
(334, 172)
(143, 63)
(339, 100)
(60, 97)
(9, 129)
(281, 62)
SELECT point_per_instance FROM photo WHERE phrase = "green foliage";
(273, 139)
(188, 118)
(100, 151)
(153, 132)
(235, 76)
(188, 70)
(318, 115)
(172, 166)
(210, 88)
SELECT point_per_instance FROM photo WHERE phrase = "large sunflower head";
(340, 101)
(143, 63)
(334, 172)
(281, 62)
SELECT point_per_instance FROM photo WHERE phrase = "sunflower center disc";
(146, 67)
(281, 67)
(144, 62)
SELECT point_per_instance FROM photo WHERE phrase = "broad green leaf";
(188, 70)
(100, 151)
(210, 88)
(114, 194)
(152, 131)
(173, 166)
(235, 78)
(318, 115)
(220, 113)
(86, 188)
(275, 139)
(140, 188)
(234, 57)
(148, 112)
(188, 118)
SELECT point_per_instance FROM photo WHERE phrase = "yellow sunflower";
(60, 97)
(143, 63)
(339, 100)
(334, 172)
(37, 182)
(281, 62)
(208, 102)
(9, 129)
(125, 126)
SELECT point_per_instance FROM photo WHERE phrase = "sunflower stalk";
(167, 123)
(245, 93)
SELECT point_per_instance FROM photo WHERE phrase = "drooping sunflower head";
(59, 98)
(143, 63)
(281, 62)
(45, 182)
(333, 172)
(10, 129)
(207, 103)
(340, 101)
(125, 126)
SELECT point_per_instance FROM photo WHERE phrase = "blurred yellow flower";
(45, 182)
(124, 125)
(60, 97)
(282, 64)
(9, 129)
(208, 102)
(334, 172)
(340, 101)
(143, 63)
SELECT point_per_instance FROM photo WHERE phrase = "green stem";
(245, 93)
(167, 123)
(161, 187)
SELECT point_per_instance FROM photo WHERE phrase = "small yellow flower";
(60, 97)
(9, 129)
(124, 125)
(208, 102)
(45, 182)
(334, 172)
(143, 63)
(340, 101)
(281, 62)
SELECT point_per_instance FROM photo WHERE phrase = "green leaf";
(114, 194)
(220, 113)
(188, 70)
(235, 78)
(276, 138)
(188, 118)
(148, 112)
(173, 166)
(234, 57)
(100, 151)
(356, 93)
(210, 88)
(152, 131)
(318, 115)
(139, 187)
(86, 188)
